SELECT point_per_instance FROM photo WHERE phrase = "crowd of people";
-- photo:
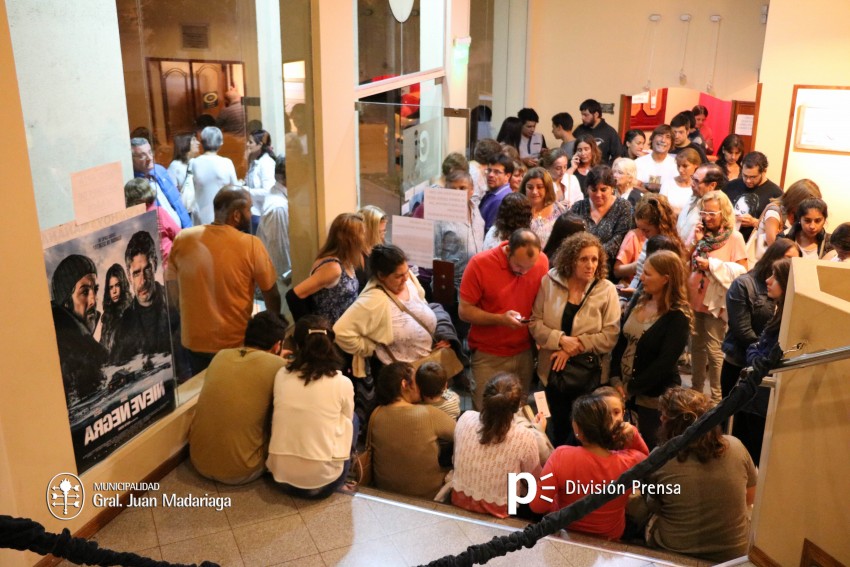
(597, 272)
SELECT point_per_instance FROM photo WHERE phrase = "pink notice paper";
(97, 192)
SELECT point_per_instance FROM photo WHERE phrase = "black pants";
(729, 374)
(649, 420)
(561, 408)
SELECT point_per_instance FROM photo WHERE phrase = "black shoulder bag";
(583, 372)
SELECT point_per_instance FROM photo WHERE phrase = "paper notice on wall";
(446, 205)
(744, 125)
(641, 98)
(97, 191)
(416, 238)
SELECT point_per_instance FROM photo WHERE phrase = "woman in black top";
(644, 362)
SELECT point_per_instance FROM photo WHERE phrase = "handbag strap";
(401, 306)
(369, 428)
(581, 303)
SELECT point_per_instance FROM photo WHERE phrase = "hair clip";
(320, 331)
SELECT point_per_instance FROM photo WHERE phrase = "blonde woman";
(715, 239)
(375, 220)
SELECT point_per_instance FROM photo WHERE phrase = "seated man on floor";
(229, 437)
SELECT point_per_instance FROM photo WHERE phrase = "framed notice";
(822, 119)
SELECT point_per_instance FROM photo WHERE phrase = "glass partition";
(240, 65)
(396, 38)
(401, 146)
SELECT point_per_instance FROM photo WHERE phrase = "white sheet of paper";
(97, 191)
(446, 205)
(542, 404)
(416, 238)
(640, 98)
(744, 125)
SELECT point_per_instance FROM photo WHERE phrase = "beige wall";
(804, 47)
(600, 50)
(804, 488)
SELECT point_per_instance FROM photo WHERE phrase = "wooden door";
(746, 110)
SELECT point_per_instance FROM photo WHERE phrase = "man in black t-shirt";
(751, 192)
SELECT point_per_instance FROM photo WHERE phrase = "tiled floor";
(264, 527)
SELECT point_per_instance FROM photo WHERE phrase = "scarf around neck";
(708, 243)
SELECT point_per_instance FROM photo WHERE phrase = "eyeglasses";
(697, 181)
(750, 177)
(711, 214)
(490, 170)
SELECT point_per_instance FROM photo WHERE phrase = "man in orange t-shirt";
(212, 271)
(496, 295)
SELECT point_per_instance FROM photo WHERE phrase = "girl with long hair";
(809, 229)
(730, 155)
(586, 156)
(260, 177)
(332, 285)
(116, 298)
(644, 362)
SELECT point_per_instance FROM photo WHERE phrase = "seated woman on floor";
(716, 481)
(313, 424)
(607, 450)
(489, 445)
(404, 436)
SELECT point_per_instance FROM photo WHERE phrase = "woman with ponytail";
(313, 425)
(489, 445)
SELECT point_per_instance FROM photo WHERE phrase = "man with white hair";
(145, 166)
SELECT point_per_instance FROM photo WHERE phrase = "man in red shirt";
(496, 295)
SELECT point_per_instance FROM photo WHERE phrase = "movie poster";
(112, 329)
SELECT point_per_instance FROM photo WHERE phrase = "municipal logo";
(65, 496)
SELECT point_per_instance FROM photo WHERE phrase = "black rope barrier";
(743, 392)
(24, 534)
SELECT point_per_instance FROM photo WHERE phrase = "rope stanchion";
(24, 534)
(740, 396)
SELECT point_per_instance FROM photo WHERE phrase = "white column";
(510, 32)
(270, 67)
(455, 84)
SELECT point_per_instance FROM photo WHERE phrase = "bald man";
(212, 271)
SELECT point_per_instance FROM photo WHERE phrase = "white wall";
(804, 47)
(579, 49)
(80, 126)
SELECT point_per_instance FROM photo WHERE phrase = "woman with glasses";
(607, 217)
(717, 250)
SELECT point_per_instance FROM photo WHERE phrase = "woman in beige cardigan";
(576, 312)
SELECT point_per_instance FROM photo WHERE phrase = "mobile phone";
(525, 321)
(542, 404)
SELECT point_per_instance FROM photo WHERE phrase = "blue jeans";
(324, 491)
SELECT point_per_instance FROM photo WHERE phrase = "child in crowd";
(809, 229)
(433, 385)
(615, 402)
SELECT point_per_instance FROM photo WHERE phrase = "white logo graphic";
(514, 498)
(65, 496)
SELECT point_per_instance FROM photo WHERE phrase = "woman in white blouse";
(314, 427)
(260, 177)
(211, 172)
